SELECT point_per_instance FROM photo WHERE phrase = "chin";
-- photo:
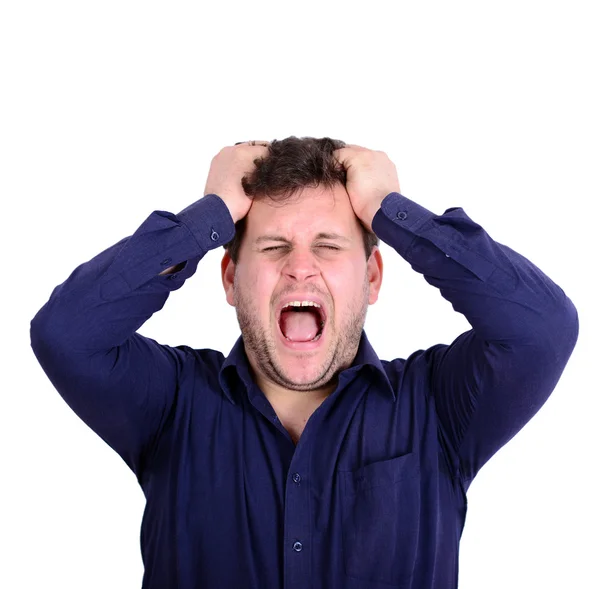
(304, 374)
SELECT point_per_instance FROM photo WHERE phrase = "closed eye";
(277, 247)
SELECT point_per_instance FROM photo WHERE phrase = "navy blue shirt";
(373, 495)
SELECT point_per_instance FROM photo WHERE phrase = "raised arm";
(491, 380)
(120, 383)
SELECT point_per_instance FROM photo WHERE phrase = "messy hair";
(291, 165)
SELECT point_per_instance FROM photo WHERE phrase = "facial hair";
(343, 344)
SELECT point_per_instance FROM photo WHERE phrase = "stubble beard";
(342, 348)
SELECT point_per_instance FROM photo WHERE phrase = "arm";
(120, 383)
(492, 379)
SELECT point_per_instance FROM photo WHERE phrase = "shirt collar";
(236, 365)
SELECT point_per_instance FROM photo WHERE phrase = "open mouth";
(302, 322)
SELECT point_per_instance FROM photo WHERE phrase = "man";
(302, 460)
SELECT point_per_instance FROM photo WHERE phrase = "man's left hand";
(370, 177)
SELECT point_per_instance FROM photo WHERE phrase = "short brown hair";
(290, 165)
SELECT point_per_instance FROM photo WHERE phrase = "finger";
(344, 155)
(254, 143)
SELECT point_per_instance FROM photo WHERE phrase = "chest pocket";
(380, 507)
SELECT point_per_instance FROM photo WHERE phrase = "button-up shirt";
(373, 496)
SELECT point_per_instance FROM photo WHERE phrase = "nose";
(300, 265)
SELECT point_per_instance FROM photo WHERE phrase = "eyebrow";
(322, 235)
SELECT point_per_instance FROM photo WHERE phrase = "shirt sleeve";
(121, 384)
(491, 380)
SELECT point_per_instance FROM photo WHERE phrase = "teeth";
(312, 340)
(301, 304)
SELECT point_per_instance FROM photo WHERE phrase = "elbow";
(561, 331)
(40, 332)
(48, 331)
(570, 324)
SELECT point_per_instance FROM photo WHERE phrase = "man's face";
(290, 253)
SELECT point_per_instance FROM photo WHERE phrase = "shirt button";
(296, 478)
(214, 235)
(297, 546)
(401, 215)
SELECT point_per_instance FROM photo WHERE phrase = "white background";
(110, 110)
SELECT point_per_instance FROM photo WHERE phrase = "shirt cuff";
(209, 221)
(399, 220)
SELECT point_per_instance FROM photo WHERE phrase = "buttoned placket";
(297, 516)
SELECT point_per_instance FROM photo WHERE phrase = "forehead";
(311, 211)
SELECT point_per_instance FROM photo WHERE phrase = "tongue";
(299, 326)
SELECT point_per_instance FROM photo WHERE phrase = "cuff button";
(214, 235)
(402, 215)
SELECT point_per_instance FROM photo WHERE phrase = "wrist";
(371, 212)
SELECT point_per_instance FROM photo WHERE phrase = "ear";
(375, 274)
(227, 276)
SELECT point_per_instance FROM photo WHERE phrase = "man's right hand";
(227, 169)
